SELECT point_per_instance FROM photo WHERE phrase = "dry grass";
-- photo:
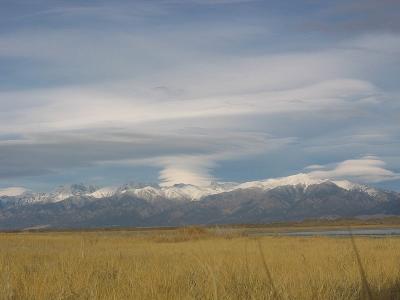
(194, 264)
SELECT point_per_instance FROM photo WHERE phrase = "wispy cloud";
(368, 169)
(12, 191)
(195, 88)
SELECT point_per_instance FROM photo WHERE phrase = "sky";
(194, 91)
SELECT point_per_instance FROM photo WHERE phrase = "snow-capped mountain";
(179, 192)
(75, 190)
(24, 196)
(288, 198)
(305, 181)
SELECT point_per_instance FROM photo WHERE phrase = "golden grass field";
(194, 264)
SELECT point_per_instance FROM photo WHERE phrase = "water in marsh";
(373, 232)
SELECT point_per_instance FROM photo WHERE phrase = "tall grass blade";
(365, 285)
(271, 282)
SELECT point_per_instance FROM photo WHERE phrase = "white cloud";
(12, 191)
(206, 83)
(197, 167)
(368, 169)
(79, 108)
(186, 169)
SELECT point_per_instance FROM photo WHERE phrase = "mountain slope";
(291, 198)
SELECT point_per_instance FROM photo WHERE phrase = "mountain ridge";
(291, 198)
(177, 191)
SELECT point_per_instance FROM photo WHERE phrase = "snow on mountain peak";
(147, 192)
(192, 192)
(306, 180)
(348, 185)
(298, 179)
(104, 192)
(66, 191)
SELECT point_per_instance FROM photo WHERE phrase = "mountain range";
(291, 198)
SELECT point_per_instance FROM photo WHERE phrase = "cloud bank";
(200, 91)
